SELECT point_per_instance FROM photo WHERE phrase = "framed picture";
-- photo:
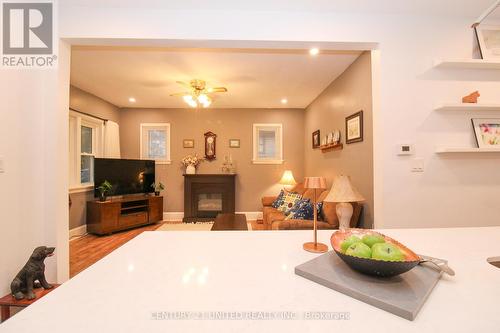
(188, 143)
(316, 139)
(234, 143)
(488, 38)
(487, 132)
(354, 128)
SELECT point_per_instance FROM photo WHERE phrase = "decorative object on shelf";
(104, 189)
(316, 138)
(487, 132)
(188, 143)
(198, 94)
(228, 165)
(34, 270)
(354, 128)
(191, 162)
(315, 183)
(158, 188)
(287, 179)
(324, 140)
(343, 193)
(336, 137)
(471, 98)
(234, 143)
(488, 39)
(329, 139)
(210, 139)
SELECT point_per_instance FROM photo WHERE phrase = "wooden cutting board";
(402, 295)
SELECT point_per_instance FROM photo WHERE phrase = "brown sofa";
(275, 220)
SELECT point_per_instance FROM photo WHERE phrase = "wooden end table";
(8, 300)
(230, 222)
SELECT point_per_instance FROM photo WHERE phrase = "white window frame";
(279, 138)
(76, 121)
(145, 126)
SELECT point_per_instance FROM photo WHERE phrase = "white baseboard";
(78, 231)
(177, 216)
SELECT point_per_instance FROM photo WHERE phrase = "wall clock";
(210, 145)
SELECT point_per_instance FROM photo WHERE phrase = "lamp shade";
(315, 182)
(343, 191)
(287, 178)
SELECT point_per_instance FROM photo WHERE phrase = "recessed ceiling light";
(131, 100)
(284, 101)
(314, 51)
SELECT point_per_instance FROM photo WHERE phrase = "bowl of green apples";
(373, 253)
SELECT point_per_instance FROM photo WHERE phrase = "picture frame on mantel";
(354, 128)
(316, 139)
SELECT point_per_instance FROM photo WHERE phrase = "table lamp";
(315, 183)
(343, 193)
(287, 179)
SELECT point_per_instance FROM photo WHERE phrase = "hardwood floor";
(87, 250)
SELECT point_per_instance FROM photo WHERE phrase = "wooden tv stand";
(123, 213)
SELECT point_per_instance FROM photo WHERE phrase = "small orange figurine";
(472, 98)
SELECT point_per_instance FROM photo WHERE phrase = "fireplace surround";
(206, 195)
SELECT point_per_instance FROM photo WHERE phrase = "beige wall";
(348, 94)
(85, 102)
(253, 180)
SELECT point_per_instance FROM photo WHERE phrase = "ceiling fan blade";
(185, 84)
(217, 89)
(180, 94)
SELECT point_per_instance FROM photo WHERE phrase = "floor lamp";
(315, 183)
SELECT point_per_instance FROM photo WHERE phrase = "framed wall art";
(487, 132)
(354, 128)
(316, 139)
(488, 38)
(188, 143)
(234, 143)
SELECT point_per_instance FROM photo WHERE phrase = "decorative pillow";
(301, 211)
(289, 200)
(319, 208)
(279, 200)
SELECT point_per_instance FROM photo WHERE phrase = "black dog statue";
(34, 270)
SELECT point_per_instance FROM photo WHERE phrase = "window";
(267, 143)
(85, 143)
(155, 142)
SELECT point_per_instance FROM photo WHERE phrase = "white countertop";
(254, 271)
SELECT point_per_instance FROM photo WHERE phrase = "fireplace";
(206, 195)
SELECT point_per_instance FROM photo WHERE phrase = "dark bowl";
(373, 266)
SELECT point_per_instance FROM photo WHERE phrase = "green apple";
(359, 249)
(348, 241)
(370, 239)
(387, 252)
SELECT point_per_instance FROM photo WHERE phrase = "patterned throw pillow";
(279, 200)
(289, 200)
(303, 210)
(319, 208)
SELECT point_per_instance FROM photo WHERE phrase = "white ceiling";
(466, 8)
(254, 79)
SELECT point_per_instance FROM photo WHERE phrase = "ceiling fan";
(198, 93)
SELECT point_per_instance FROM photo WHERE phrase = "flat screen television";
(126, 176)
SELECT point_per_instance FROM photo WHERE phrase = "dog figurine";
(471, 98)
(34, 270)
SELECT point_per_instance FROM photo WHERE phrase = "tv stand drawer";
(129, 220)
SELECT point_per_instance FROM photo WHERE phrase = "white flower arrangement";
(193, 160)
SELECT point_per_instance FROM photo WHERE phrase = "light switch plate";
(417, 165)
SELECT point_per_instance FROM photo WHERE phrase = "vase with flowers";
(191, 162)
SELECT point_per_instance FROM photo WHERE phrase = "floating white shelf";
(467, 64)
(450, 150)
(468, 107)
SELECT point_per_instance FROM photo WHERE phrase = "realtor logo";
(27, 29)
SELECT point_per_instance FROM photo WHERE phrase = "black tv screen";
(126, 176)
